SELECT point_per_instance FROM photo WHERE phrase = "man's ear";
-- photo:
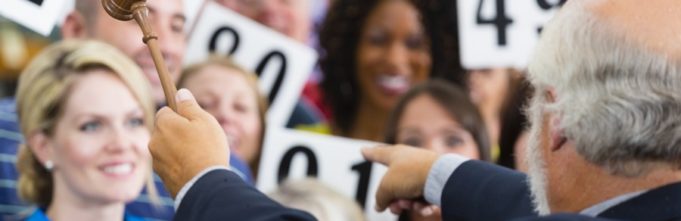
(74, 26)
(558, 138)
(551, 96)
(41, 147)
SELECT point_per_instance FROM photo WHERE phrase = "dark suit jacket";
(564, 217)
(482, 191)
(223, 195)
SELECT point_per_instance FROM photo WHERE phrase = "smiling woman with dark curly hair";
(376, 50)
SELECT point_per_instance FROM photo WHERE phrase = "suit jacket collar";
(662, 203)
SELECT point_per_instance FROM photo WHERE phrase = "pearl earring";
(49, 165)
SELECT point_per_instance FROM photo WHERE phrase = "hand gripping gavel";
(126, 10)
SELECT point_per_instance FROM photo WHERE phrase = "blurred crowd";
(77, 106)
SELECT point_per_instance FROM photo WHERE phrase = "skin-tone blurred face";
(392, 54)
(488, 88)
(243, 7)
(424, 123)
(289, 17)
(99, 145)
(519, 152)
(167, 19)
(227, 95)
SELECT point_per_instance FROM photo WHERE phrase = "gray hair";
(618, 101)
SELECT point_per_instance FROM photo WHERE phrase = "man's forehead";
(167, 7)
(656, 24)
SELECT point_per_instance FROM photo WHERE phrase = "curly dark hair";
(339, 38)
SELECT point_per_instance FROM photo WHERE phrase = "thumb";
(187, 105)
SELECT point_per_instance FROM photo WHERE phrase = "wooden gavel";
(126, 10)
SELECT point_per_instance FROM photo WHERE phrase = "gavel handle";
(140, 12)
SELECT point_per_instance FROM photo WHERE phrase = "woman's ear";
(41, 147)
(74, 26)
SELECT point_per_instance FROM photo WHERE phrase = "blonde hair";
(320, 200)
(251, 78)
(44, 88)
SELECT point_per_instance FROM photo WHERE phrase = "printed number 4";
(500, 21)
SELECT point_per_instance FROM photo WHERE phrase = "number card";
(37, 15)
(191, 10)
(501, 33)
(335, 161)
(283, 65)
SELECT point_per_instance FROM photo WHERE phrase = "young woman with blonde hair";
(85, 110)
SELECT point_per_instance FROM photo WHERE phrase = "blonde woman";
(231, 94)
(86, 111)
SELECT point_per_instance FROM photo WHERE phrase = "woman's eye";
(240, 108)
(414, 43)
(205, 105)
(177, 27)
(136, 122)
(412, 141)
(377, 39)
(453, 141)
(90, 126)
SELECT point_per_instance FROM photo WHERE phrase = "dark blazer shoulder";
(659, 204)
(221, 194)
(563, 217)
(482, 191)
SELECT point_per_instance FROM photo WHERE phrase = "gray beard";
(535, 163)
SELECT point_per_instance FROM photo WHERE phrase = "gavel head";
(120, 9)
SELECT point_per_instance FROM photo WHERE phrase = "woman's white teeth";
(393, 82)
(119, 169)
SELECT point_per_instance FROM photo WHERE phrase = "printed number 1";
(364, 171)
(500, 21)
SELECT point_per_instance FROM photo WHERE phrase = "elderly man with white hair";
(606, 126)
(605, 139)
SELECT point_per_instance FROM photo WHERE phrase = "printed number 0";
(544, 4)
(280, 75)
(272, 55)
(285, 165)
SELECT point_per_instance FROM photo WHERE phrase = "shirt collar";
(594, 210)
